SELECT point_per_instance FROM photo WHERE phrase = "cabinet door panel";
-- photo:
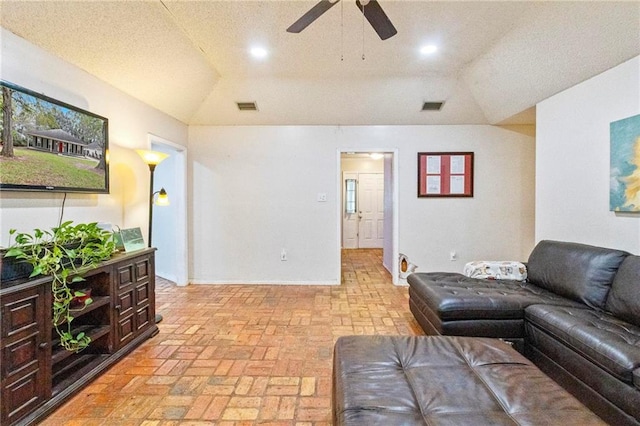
(143, 316)
(143, 269)
(142, 293)
(126, 302)
(24, 349)
(125, 276)
(22, 396)
(135, 298)
(21, 314)
(126, 327)
(20, 355)
(126, 315)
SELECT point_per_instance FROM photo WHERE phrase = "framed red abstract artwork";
(445, 174)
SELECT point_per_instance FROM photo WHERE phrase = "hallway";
(242, 355)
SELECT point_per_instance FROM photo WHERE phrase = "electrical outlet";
(283, 255)
(322, 197)
(453, 256)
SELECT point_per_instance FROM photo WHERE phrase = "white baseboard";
(234, 282)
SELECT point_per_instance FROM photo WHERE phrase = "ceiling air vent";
(247, 106)
(432, 106)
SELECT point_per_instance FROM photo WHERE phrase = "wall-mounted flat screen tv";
(48, 145)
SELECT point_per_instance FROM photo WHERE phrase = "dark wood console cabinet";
(37, 374)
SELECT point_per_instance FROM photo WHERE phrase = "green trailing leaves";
(64, 253)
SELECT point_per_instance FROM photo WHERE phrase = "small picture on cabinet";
(132, 239)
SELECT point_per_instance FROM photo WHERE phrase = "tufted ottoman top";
(445, 380)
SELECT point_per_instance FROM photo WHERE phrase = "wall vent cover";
(432, 106)
(247, 106)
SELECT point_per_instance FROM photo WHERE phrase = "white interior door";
(371, 210)
(349, 219)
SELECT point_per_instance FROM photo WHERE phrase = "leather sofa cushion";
(624, 297)
(609, 342)
(454, 296)
(444, 380)
(578, 271)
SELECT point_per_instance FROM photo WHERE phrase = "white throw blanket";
(497, 270)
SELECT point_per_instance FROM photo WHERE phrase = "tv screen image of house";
(48, 145)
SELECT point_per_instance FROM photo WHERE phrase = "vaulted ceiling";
(190, 59)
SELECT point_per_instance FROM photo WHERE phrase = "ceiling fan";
(370, 8)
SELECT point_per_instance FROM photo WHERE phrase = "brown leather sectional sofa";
(577, 317)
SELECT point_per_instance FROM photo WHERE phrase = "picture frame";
(130, 239)
(445, 174)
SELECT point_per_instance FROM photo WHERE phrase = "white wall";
(26, 65)
(253, 192)
(362, 164)
(572, 171)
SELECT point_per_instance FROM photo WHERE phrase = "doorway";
(368, 206)
(170, 222)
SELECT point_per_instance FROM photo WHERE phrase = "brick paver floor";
(244, 354)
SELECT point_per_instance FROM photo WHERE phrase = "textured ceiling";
(190, 58)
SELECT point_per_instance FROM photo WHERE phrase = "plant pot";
(79, 300)
(13, 269)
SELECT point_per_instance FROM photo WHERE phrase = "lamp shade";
(163, 198)
(152, 158)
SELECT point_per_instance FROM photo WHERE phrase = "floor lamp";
(152, 159)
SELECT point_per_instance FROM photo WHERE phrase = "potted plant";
(64, 253)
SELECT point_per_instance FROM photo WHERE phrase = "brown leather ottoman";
(445, 380)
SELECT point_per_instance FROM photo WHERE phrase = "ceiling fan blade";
(314, 13)
(378, 19)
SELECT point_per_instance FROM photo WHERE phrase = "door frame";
(180, 198)
(394, 224)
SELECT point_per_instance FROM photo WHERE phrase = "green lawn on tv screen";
(29, 167)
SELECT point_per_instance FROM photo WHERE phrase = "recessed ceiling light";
(259, 52)
(429, 49)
